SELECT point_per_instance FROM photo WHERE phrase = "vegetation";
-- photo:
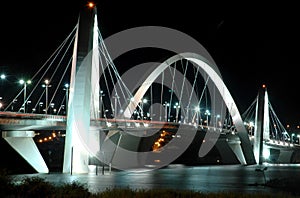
(38, 187)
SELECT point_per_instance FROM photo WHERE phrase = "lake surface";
(219, 178)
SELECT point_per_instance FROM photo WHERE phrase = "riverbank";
(209, 180)
(38, 187)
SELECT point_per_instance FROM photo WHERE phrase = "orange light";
(91, 5)
(263, 86)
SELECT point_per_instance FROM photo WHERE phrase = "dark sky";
(251, 43)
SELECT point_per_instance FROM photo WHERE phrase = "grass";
(38, 187)
(172, 193)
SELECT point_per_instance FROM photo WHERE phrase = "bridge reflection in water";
(225, 178)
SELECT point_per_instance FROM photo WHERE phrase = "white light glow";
(266, 153)
(108, 124)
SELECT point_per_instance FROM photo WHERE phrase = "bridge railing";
(111, 123)
(18, 115)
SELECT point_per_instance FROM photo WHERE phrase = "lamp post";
(67, 95)
(40, 106)
(207, 113)
(46, 85)
(116, 97)
(52, 109)
(144, 101)
(177, 107)
(28, 104)
(186, 119)
(251, 124)
(217, 117)
(197, 111)
(166, 111)
(25, 83)
(12, 106)
(2, 77)
(101, 104)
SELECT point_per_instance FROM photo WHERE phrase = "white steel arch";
(217, 80)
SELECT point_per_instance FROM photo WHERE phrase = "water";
(228, 178)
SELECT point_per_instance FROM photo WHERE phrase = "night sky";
(251, 43)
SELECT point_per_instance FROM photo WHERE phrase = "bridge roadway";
(16, 121)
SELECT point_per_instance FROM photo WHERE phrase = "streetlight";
(186, 119)
(101, 106)
(144, 101)
(52, 108)
(40, 106)
(207, 113)
(116, 97)
(166, 111)
(67, 95)
(251, 125)
(197, 111)
(12, 106)
(46, 85)
(177, 107)
(61, 108)
(25, 83)
(106, 110)
(217, 117)
(28, 103)
(2, 76)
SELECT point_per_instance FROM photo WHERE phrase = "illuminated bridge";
(151, 115)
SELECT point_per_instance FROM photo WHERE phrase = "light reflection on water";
(229, 178)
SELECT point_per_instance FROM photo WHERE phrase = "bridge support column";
(22, 142)
(235, 144)
(84, 94)
(259, 126)
(230, 149)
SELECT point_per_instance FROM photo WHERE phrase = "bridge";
(145, 118)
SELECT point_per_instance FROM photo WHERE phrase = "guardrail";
(9, 114)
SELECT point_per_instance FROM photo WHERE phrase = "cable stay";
(57, 59)
(276, 128)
